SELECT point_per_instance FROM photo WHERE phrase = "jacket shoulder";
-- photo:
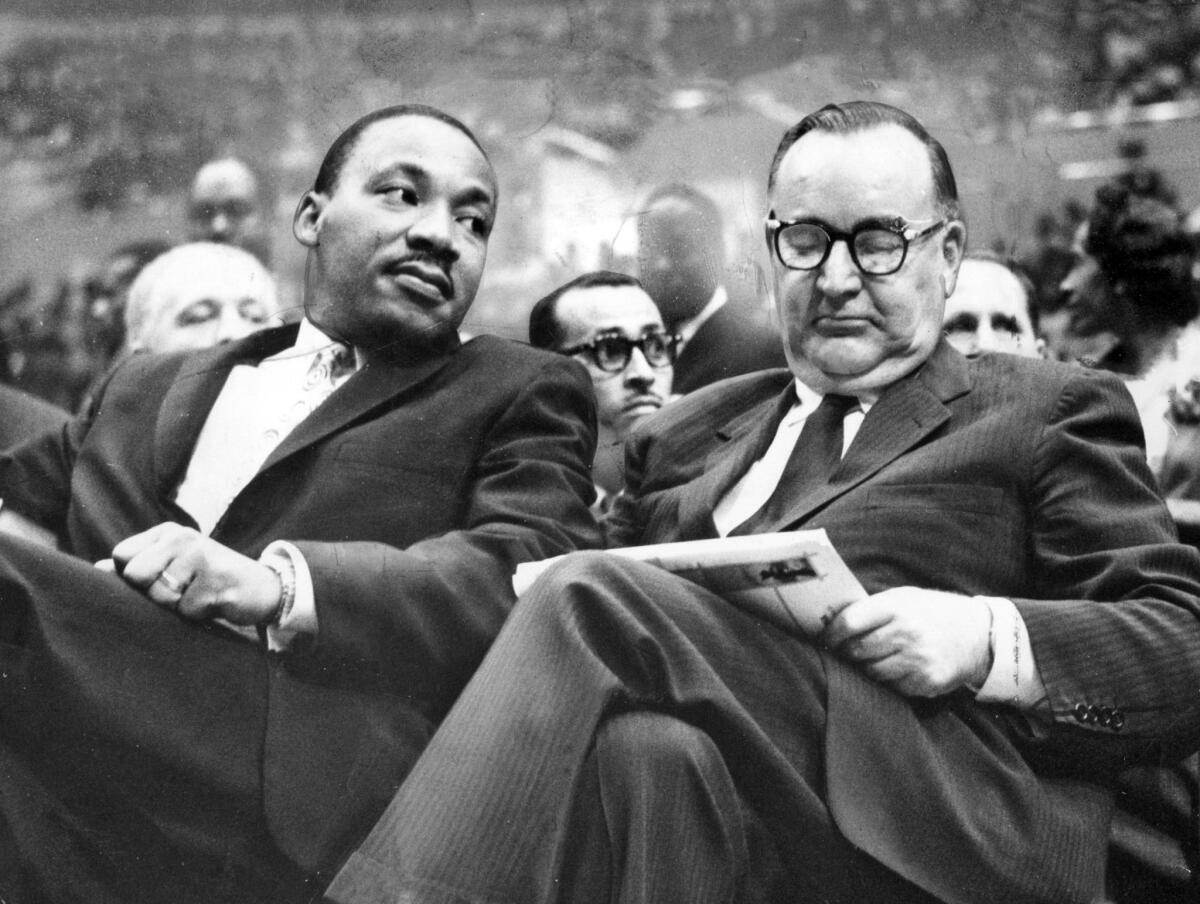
(717, 403)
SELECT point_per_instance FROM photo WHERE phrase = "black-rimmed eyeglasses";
(877, 249)
(612, 350)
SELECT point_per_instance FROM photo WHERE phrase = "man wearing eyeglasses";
(1029, 629)
(608, 322)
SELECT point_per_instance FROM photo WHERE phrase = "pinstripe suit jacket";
(997, 476)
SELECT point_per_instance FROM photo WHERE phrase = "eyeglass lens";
(613, 353)
(803, 246)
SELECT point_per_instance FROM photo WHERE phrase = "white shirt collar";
(688, 328)
(309, 341)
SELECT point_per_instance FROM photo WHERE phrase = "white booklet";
(794, 579)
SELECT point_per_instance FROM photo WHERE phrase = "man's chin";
(413, 336)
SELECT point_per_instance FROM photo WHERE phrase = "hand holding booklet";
(795, 580)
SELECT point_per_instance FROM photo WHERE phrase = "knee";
(582, 568)
(651, 746)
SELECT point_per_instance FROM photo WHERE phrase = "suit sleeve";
(35, 475)
(622, 524)
(1116, 626)
(423, 616)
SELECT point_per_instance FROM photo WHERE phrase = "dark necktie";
(814, 458)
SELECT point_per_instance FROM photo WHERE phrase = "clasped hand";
(179, 568)
(922, 643)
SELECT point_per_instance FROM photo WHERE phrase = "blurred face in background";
(989, 312)
(199, 295)
(625, 396)
(679, 260)
(225, 207)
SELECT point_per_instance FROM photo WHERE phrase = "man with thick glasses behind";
(608, 322)
(1029, 626)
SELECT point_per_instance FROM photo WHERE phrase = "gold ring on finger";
(173, 584)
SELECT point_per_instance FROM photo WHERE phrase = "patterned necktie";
(815, 457)
(328, 366)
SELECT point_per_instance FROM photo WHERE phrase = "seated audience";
(23, 415)
(225, 205)
(198, 295)
(305, 540)
(608, 322)
(107, 294)
(681, 259)
(1030, 626)
(992, 309)
(1132, 283)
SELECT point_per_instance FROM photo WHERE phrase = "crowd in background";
(1110, 284)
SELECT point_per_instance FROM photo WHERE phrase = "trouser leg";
(655, 817)
(487, 814)
(141, 724)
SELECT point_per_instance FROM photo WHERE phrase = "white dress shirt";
(258, 406)
(1013, 678)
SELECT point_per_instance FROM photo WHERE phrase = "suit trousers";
(630, 737)
(130, 745)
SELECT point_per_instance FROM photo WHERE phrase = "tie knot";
(837, 405)
(330, 364)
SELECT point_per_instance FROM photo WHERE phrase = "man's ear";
(306, 221)
(954, 244)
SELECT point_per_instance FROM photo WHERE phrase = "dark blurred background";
(107, 109)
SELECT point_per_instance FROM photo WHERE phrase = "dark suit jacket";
(412, 492)
(23, 415)
(999, 476)
(734, 341)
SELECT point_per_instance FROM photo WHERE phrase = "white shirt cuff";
(302, 619)
(1014, 678)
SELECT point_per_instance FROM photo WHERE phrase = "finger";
(106, 565)
(873, 646)
(142, 570)
(131, 547)
(169, 589)
(858, 618)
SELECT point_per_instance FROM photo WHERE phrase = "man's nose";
(433, 227)
(220, 225)
(638, 372)
(232, 325)
(839, 275)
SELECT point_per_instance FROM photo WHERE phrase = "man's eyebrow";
(961, 321)
(875, 222)
(1008, 321)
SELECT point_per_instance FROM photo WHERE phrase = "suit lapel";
(906, 413)
(370, 387)
(192, 394)
(741, 441)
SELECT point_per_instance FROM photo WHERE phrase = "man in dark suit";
(1029, 629)
(312, 532)
(681, 258)
(610, 325)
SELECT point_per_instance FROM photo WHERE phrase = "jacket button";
(1081, 712)
(1106, 715)
(1118, 720)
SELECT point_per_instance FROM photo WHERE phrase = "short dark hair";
(1144, 251)
(1016, 269)
(709, 215)
(343, 146)
(544, 328)
(859, 115)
